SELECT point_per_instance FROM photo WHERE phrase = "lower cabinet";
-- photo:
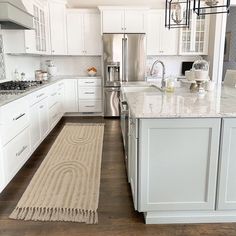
(227, 171)
(39, 123)
(15, 154)
(54, 114)
(178, 161)
(90, 95)
(71, 100)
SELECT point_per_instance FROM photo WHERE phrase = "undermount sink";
(145, 89)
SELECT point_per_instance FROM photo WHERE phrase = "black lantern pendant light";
(177, 13)
(208, 7)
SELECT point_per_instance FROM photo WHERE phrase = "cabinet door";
(43, 118)
(194, 41)
(178, 163)
(34, 127)
(160, 40)
(92, 34)
(75, 27)
(227, 177)
(71, 97)
(135, 21)
(58, 28)
(153, 33)
(113, 21)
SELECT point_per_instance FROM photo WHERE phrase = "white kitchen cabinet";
(71, 96)
(113, 21)
(83, 32)
(178, 160)
(160, 40)
(57, 12)
(123, 20)
(35, 138)
(61, 98)
(39, 123)
(90, 95)
(31, 41)
(43, 119)
(194, 40)
(227, 175)
(15, 154)
(14, 117)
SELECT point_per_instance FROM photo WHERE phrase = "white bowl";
(92, 73)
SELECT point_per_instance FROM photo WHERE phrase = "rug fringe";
(55, 214)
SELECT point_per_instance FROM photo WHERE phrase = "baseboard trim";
(190, 217)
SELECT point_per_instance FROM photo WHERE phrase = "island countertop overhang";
(182, 103)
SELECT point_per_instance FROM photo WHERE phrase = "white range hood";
(13, 15)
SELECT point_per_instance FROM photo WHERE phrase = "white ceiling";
(95, 3)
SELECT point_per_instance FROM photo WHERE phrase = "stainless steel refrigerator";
(124, 60)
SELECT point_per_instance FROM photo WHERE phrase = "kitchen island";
(182, 155)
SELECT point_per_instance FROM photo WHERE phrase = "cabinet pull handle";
(21, 151)
(54, 116)
(89, 82)
(40, 95)
(90, 106)
(54, 94)
(89, 93)
(18, 117)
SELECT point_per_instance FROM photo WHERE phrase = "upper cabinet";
(57, 12)
(35, 41)
(194, 41)
(124, 20)
(160, 40)
(83, 32)
(41, 24)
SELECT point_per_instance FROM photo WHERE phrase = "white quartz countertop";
(182, 104)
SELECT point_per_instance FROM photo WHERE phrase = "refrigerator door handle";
(125, 53)
(123, 60)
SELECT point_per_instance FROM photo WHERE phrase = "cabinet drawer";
(54, 114)
(89, 82)
(15, 154)
(53, 98)
(14, 117)
(93, 93)
(90, 106)
(38, 96)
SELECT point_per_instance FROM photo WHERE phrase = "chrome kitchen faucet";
(163, 81)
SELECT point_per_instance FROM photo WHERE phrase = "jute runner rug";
(66, 185)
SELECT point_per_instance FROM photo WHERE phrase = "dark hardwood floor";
(116, 213)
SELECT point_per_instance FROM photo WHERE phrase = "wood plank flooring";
(116, 214)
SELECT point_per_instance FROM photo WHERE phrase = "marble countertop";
(182, 104)
(5, 99)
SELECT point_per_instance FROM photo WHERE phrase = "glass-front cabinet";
(40, 29)
(194, 40)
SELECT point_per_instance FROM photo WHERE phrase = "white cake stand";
(200, 84)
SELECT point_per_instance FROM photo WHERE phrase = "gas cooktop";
(16, 87)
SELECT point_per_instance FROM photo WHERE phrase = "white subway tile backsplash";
(68, 65)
